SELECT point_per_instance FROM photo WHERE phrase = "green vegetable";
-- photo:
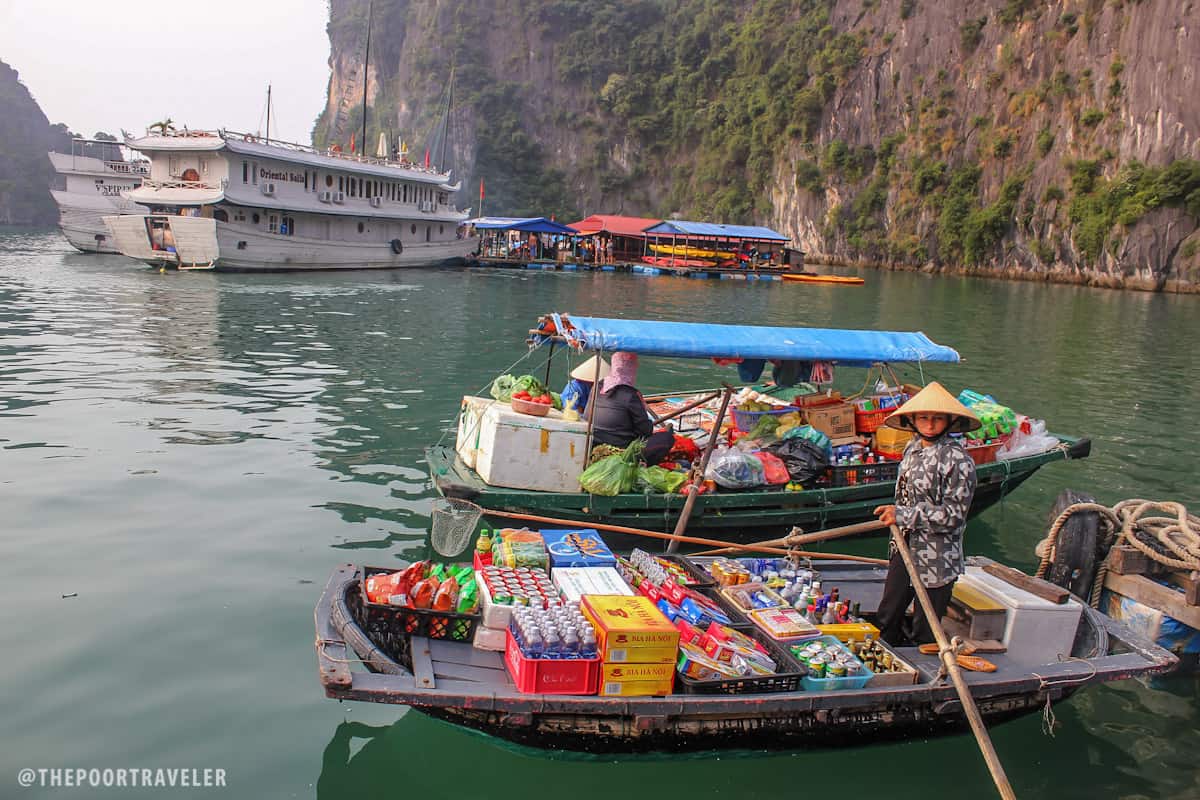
(764, 428)
(659, 480)
(613, 475)
(557, 398)
(502, 388)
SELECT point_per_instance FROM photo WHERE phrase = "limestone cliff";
(24, 169)
(1057, 139)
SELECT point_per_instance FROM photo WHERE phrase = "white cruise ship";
(91, 182)
(230, 201)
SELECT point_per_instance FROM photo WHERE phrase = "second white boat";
(224, 200)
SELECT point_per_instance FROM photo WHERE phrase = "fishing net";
(454, 521)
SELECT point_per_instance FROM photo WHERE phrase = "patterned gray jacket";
(933, 495)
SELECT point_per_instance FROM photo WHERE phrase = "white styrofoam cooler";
(1036, 631)
(518, 451)
(470, 427)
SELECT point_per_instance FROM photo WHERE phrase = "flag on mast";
(352, 143)
(481, 190)
(426, 158)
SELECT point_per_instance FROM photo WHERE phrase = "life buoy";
(397, 246)
(247, 138)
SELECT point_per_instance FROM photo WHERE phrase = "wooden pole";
(948, 658)
(792, 540)
(589, 408)
(685, 539)
(698, 475)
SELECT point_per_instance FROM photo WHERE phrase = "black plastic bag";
(805, 462)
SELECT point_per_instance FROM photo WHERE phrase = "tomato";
(522, 395)
(544, 400)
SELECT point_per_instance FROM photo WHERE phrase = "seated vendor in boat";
(619, 413)
(578, 390)
(934, 490)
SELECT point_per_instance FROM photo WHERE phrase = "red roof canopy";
(618, 226)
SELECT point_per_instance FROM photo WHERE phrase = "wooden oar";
(776, 551)
(804, 538)
(948, 658)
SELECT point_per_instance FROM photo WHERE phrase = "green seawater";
(191, 454)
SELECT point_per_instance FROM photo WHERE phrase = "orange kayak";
(844, 280)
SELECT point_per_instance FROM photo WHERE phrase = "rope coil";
(1173, 541)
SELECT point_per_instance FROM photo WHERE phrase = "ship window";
(239, 216)
(353, 187)
(306, 180)
(360, 187)
(254, 172)
(441, 229)
(245, 172)
(272, 223)
(428, 231)
(341, 184)
(414, 230)
(255, 218)
(204, 166)
(360, 227)
(287, 226)
(406, 192)
(329, 182)
(220, 216)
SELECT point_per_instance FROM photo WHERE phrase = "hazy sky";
(105, 65)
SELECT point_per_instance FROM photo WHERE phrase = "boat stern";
(166, 240)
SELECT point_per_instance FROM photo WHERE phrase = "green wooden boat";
(736, 514)
(732, 513)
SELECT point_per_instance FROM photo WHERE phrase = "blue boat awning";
(703, 340)
(523, 224)
(678, 227)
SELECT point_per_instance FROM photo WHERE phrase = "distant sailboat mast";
(366, 74)
(446, 121)
(268, 137)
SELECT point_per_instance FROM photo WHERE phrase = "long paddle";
(792, 540)
(688, 539)
(948, 659)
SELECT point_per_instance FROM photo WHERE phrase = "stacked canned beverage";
(827, 660)
(657, 570)
(520, 586)
(559, 632)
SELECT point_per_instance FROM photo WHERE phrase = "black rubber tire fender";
(397, 246)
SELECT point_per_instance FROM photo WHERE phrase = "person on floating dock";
(578, 390)
(933, 496)
(620, 415)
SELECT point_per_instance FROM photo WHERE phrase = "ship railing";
(128, 167)
(358, 158)
(173, 184)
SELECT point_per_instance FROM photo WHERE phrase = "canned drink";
(816, 667)
(853, 669)
(502, 598)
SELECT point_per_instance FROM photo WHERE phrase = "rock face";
(1044, 139)
(25, 170)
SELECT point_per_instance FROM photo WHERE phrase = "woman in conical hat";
(934, 490)
(579, 388)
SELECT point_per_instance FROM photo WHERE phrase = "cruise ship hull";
(204, 243)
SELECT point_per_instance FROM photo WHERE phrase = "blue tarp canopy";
(523, 224)
(703, 340)
(677, 227)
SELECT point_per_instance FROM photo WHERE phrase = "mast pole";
(446, 121)
(268, 140)
(366, 74)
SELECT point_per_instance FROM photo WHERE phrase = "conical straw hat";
(587, 370)
(934, 399)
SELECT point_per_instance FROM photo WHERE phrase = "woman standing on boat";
(619, 413)
(933, 495)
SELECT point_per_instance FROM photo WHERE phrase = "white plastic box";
(574, 582)
(1036, 631)
(518, 451)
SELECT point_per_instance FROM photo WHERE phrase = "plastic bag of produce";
(502, 388)
(656, 480)
(805, 462)
(733, 469)
(614, 474)
(810, 434)
(774, 470)
(764, 428)
(1027, 444)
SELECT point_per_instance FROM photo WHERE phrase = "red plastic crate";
(984, 453)
(870, 421)
(550, 675)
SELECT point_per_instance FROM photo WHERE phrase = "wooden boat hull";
(743, 516)
(842, 280)
(468, 687)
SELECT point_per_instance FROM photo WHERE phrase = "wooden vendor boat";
(746, 514)
(455, 682)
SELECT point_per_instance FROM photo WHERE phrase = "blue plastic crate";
(859, 681)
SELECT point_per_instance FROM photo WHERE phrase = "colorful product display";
(426, 585)
(513, 547)
(577, 548)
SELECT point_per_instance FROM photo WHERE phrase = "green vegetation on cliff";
(24, 169)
